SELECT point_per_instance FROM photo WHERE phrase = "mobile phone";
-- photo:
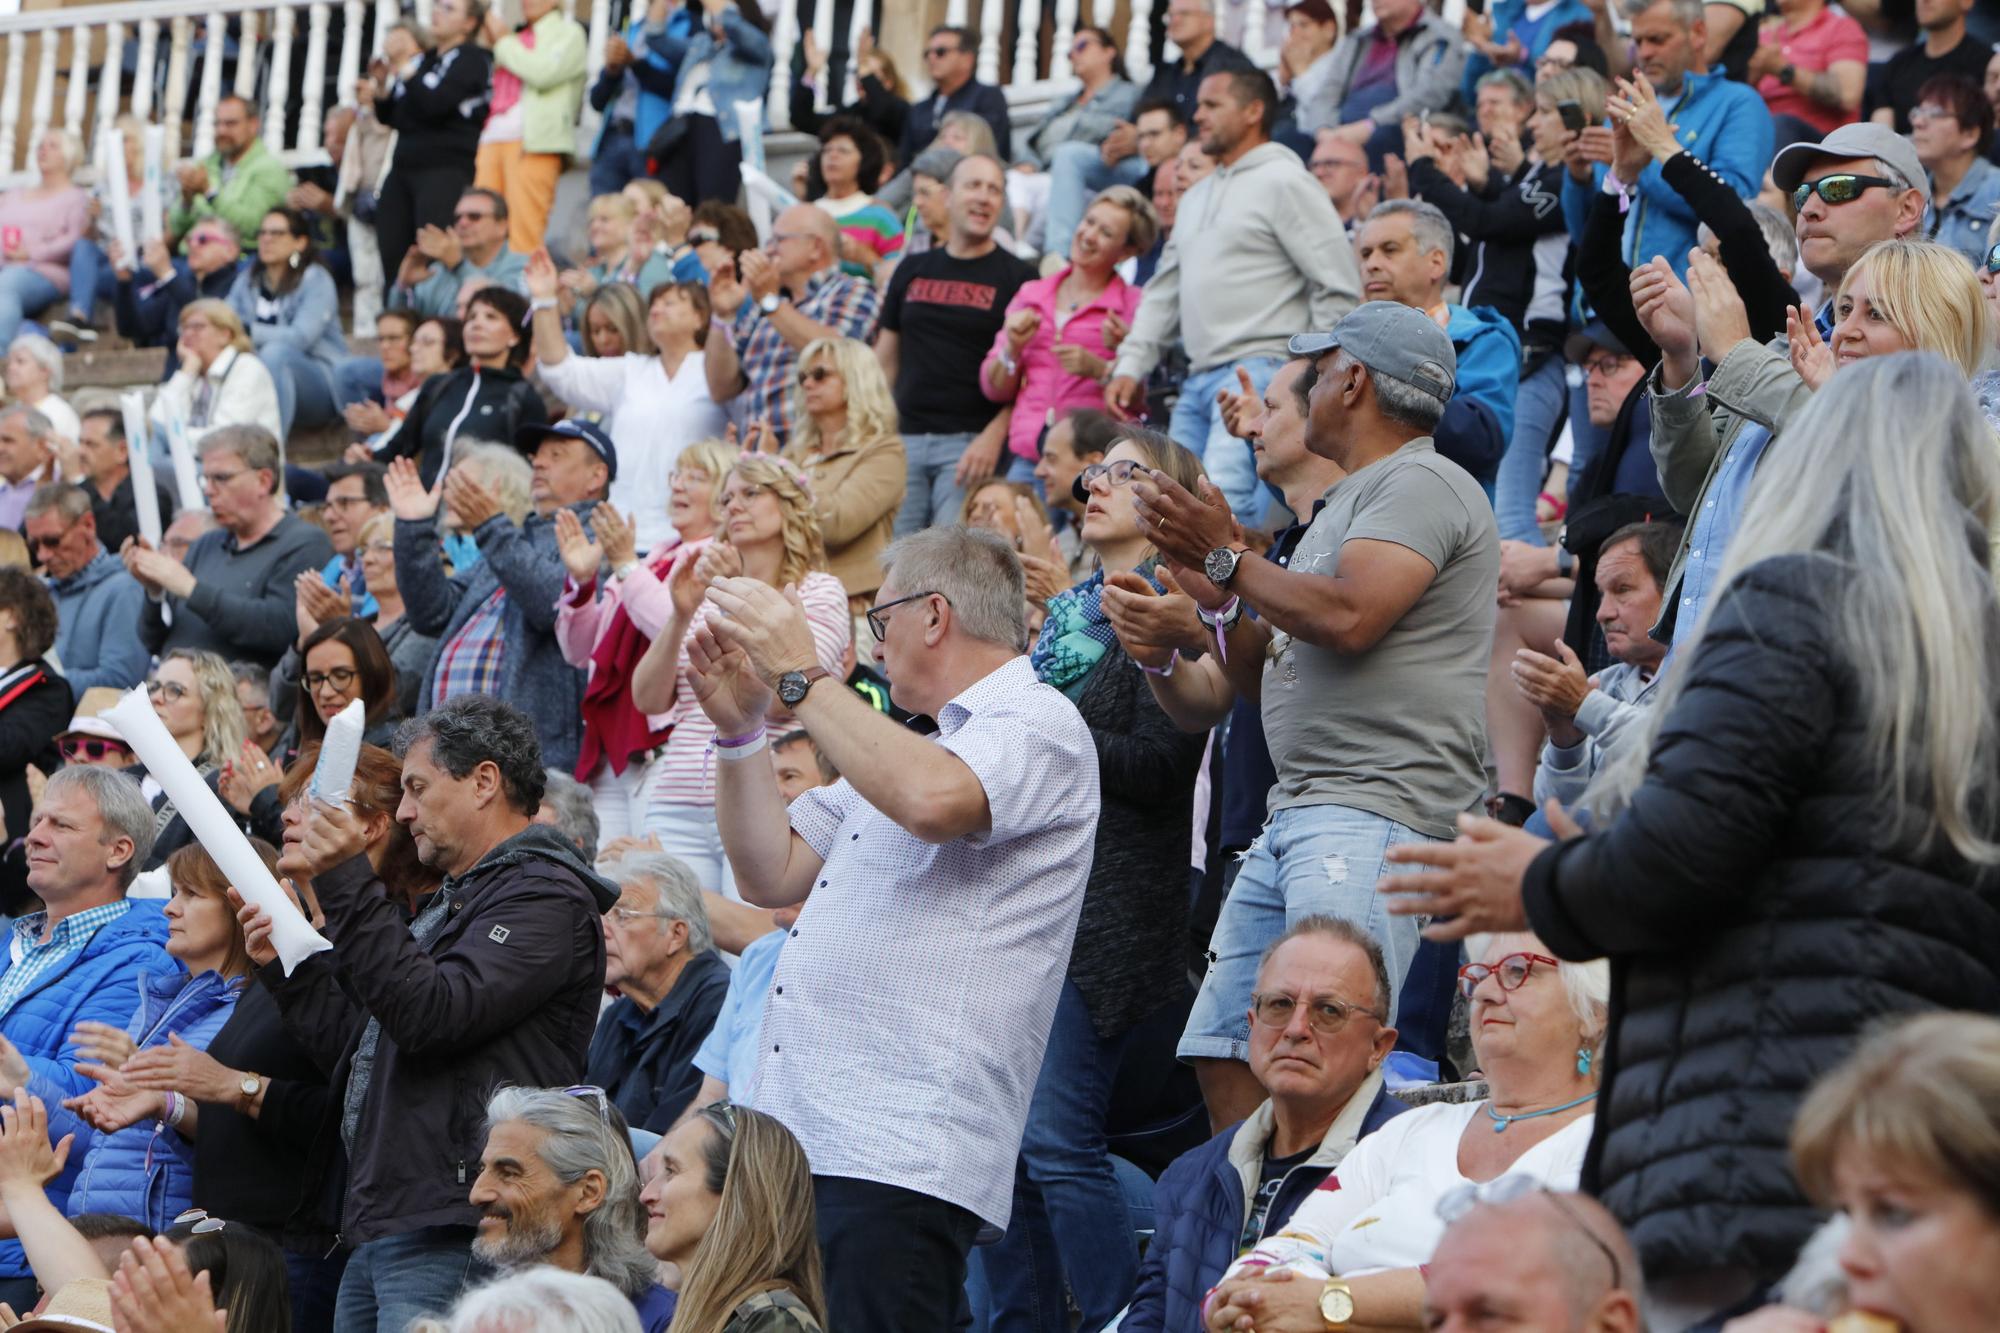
(10, 238)
(1572, 115)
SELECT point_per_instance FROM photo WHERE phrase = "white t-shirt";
(1378, 1210)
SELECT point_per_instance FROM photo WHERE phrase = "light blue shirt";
(1966, 219)
(1721, 510)
(730, 1053)
(31, 958)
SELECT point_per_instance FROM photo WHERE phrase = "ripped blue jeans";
(1310, 860)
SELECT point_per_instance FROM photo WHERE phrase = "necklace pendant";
(1500, 1123)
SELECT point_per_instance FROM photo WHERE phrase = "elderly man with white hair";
(660, 957)
(35, 379)
(538, 1300)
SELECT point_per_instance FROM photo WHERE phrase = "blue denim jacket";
(1966, 220)
(739, 67)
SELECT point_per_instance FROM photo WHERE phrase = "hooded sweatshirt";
(97, 609)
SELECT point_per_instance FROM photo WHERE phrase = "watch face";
(1336, 1305)
(792, 687)
(1219, 565)
(250, 1086)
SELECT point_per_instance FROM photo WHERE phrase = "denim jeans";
(358, 379)
(1539, 407)
(894, 1258)
(314, 1282)
(618, 162)
(90, 278)
(391, 1281)
(1076, 174)
(1071, 1219)
(22, 292)
(305, 388)
(1197, 427)
(932, 493)
(1310, 860)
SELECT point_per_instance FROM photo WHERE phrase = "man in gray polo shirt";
(1373, 643)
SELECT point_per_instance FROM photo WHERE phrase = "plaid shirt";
(30, 959)
(846, 305)
(470, 663)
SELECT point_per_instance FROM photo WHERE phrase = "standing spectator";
(495, 982)
(777, 300)
(1256, 249)
(42, 225)
(106, 475)
(884, 101)
(150, 298)
(1078, 438)
(220, 383)
(950, 55)
(660, 959)
(1055, 350)
(34, 378)
(728, 62)
(1405, 249)
(652, 406)
(635, 91)
(1407, 64)
(445, 261)
(1190, 26)
(1944, 47)
(847, 446)
(288, 304)
(1860, 185)
(1810, 67)
(841, 178)
(234, 593)
(487, 398)
(1001, 804)
(531, 120)
(27, 460)
(437, 111)
(1513, 36)
(34, 709)
(1952, 128)
(1072, 133)
(356, 202)
(241, 181)
(1387, 597)
(97, 602)
(942, 312)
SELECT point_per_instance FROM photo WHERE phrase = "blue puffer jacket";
(147, 1170)
(100, 983)
(1479, 419)
(739, 67)
(1200, 1207)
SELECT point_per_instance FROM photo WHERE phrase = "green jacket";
(253, 187)
(552, 76)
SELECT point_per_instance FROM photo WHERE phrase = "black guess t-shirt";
(947, 312)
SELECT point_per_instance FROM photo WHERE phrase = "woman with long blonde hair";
(194, 693)
(770, 532)
(846, 442)
(732, 1206)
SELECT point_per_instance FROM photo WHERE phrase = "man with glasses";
(234, 593)
(1318, 1037)
(155, 285)
(1522, 1256)
(444, 260)
(240, 181)
(949, 58)
(97, 601)
(1341, 167)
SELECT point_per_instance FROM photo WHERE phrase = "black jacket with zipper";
(438, 111)
(505, 993)
(470, 403)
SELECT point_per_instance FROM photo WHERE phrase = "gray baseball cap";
(1391, 339)
(1861, 139)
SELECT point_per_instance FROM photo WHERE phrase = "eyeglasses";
(347, 501)
(780, 236)
(749, 492)
(206, 238)
(198, 1222)
(471, 217)
(1511, 972)
(1080, 45)
(1515, 1186)
(1993, 258)
(91, 748)
(1324, 1016)
(591, 1092)
(46, 543)
(340, 678)
(1603, 365)
(704, 236)
(939, 52)
(879, 627)
(379, 548)
(172, 690)
(1929, 111)
(273, 233)
(1119, 473)
(215, 481)
(1843, 188)
(818, 374)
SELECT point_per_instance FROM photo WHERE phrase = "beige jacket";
(857, 492)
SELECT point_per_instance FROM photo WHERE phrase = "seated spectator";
(1317, 1042)
(140, 1164)
(608, 634)
(1537, 1028)
(717, 233)
(43, 221)
(1587, 716)
(194, 694)
(845, 442)
(634, 92)
(732, 1207)
(342, 660)
(661, 961)
(103, 468)
(558, 1187)
(883, 103)
(487, 398)
(1811, 68)
(355, 493)
(841, 178)
(91, 277)
(288, 303)
(616, 256)
(1305, 57)
(539, 1299)
(442, 261)
(374, 392)
(776, 300)
(34, 708)
(152, 293)
(1943, 46)
(253, 691)
(234, 592)
(1513, 36)
(727, 61)
(1073, 131)
(1555, 1261)
(1076, 439)
(1056, 349)
(220, 382)
(97, 602)
(769, 519)
(566, 808)
(538, 76)
(950, 63)
(27, 461)
(613, 322)
(449, 1006)
(34, 378)
(187, 528)
(437, 347)
(1405, 250)
(1408, 63)
(652, 406)
(93, 742)
(1131, 154)
(1341, 167)
(1573, 46)
(240, 182)
(1952, 128)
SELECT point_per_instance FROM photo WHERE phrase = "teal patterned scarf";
(1076, 635)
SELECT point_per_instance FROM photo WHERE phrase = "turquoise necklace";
(1500, 1122)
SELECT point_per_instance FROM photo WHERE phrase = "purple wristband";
(737, 742)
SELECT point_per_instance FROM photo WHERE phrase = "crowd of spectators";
(1352, 696)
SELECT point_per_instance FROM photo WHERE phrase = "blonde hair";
(621, 305)
(612, 203)
(805, 548)
(223, 317)
(715, 458)
(1579, 84)
(764, 1236)
(14, 550)
(223, 729)
(871, 407)
(655, 191)
(1930, 295)
(383, 523)
(1142, 220)
(978, 134)
(503, 471)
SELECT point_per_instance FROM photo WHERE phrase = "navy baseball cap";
(528, 438)
(1391, 339)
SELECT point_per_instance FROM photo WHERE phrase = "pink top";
(583, 615)
(1815, 48)
(51, 225)
(1045, 389)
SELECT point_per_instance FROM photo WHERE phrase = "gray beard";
(521, 1245)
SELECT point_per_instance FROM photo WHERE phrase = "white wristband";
(733, 753)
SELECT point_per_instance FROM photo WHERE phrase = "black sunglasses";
(1993, 258)
(1843, 188)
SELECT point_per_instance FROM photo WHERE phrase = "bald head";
(804, 239)
(1555, 1262)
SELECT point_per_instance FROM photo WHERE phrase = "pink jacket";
(1045, 389)
(582, 620)
(50, 225)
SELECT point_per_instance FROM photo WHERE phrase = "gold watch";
(1336, 1303)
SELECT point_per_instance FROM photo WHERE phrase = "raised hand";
(729, 692)
(1116, 326)
(1151, 625)
(26, 1155)
(1242, 413)
(256, 923)
(407, 497)
(1037, 538)
(718, 560)
(580, 556)
(1637, 110)
(188, 1070)
(1665, 307)
(686, 585)
(615, 534)
(468, 499)
(1022, 326)
(1812, 359)
(540, 276)
(102, 1044)
(114, 1103)
(154, 1290)
(1720, 320)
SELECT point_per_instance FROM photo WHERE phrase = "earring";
(1584, 1055)
(296, 261)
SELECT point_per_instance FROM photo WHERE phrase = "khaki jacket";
(857, 491)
